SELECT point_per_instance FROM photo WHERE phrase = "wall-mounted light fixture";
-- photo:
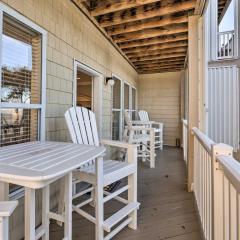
(109, 81)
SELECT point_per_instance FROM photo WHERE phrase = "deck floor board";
(166, 212)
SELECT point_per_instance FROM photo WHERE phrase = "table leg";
(29, 214)
(4, 228)
(68, 207)
(4, 191)
(45, 211)
(99, 233)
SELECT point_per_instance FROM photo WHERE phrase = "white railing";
(185, 139)
(226, 44)
(216, 188)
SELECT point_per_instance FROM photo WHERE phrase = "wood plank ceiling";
(153, 34)
(222, 7)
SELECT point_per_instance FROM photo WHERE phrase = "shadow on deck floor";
(166, 211)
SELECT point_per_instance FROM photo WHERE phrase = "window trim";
(117, 109)
(42, 106)
(213, 21)
(121, 127)
(97, 90)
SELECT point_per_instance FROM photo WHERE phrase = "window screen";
(20, 82)
(20, 94)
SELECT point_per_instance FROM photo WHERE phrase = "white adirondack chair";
(158, 128)
(83, 130)
(6, 209)
(141, 135)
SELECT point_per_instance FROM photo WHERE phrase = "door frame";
(98, 80)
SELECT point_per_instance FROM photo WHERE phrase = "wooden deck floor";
(167, 210)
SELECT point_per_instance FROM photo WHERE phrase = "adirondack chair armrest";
(142, 128)
(7, 208)
(141, 123)
(160, 125)
(119, 144)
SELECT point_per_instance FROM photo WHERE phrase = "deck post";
(192, 92)
(217, 191)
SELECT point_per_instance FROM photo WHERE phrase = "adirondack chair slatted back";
(143, 115)
(82, 126)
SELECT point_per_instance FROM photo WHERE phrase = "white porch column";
(193, 91)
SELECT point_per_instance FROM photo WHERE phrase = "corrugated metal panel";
(223, 105)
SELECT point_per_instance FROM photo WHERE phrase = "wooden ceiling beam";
(160, 71)
(157, 52)
(138, 26)
(159, 61)
(156, 47)
(149, 33)
(110, 6)
(165, 56)
(152, 41)
(143, 13)
(160, 64)
(161, 67)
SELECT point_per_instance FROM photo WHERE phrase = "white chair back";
(127, 119)
(82, 126)
(143, 115)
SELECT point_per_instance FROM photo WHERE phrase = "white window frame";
(42, 106)
(122, 107)
(97, 89)
(133, 110)
(213, 4)
(116, 109)
(129, 97)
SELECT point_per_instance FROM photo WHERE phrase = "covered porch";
(75, 76)
(167, 210)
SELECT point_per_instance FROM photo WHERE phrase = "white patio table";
(35, 165)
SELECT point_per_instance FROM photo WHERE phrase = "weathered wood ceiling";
(222, 7)
(152, 34)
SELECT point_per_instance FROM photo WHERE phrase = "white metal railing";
(185, 139)
(226, 44)
(216, 188)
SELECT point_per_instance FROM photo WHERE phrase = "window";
(226, 29)
(134, 104)
(124, 98)
(22, 80)
(116, 110)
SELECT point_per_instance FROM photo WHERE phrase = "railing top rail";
(203, 139)
(227, 32)
(185, 122)
(231, 169)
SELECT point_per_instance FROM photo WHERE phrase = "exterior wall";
(70, 35)
(159, 94)
(223, 105)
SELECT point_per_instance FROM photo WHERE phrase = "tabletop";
(35, 164)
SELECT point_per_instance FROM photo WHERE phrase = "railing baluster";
(226, 44)
(216, 188)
